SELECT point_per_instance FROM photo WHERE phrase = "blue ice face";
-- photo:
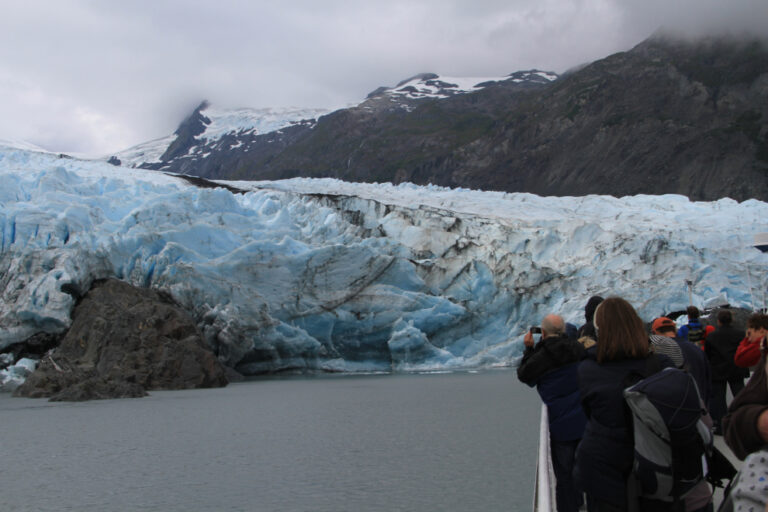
(320, 274)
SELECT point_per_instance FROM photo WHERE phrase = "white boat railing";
(544, 492)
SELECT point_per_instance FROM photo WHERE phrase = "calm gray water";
(460, 441)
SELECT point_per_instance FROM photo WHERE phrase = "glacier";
(323, 275)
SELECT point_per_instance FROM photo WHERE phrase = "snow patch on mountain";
(221, 122)
(146, 152)
(254, 120)
(430, 85)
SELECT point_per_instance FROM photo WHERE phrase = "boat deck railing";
(544, 492)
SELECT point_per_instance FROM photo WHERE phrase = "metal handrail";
(544, 492)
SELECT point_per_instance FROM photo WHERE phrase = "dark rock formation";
(204, 183)
(122, 342)
(33, 347)
(191, 127)
(668, 116)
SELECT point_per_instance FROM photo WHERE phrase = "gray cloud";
(96, 77)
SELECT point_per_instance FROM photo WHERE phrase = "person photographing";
(551, 365)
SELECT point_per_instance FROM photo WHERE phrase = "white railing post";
(544, 494)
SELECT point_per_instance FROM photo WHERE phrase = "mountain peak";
(421, 77)
(196, 122)
(432, 85)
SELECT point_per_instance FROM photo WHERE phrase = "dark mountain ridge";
(668, 116)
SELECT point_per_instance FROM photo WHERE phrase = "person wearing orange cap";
(662, 339)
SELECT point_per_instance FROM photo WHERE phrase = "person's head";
(757, 326)
(589, 309)
(620, 332)
(724, 317)
(552, 325)
(692, 312)
(664, 326)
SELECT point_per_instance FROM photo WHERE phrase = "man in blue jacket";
(694, 331)
(552, 366)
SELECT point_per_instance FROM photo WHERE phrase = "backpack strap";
(652, 365)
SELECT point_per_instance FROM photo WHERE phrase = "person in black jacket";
(552, 366)
(605, 455)
(720, 348)
(588, 329)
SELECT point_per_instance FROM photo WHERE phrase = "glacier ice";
(327, 275)
(15, 375)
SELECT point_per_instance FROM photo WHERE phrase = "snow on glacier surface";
(327, 275)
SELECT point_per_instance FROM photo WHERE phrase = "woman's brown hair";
(621, 333)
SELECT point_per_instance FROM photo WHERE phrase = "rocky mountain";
(668, 116)
(210, 130)
(211, 142)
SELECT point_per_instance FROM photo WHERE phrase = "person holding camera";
(551, 365)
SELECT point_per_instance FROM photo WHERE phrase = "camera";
(535, 329)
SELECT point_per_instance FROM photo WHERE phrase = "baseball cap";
(662, 322)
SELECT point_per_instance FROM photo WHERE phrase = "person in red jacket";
(748, 353)
(746, 424)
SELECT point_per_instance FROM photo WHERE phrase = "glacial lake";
(462, 441)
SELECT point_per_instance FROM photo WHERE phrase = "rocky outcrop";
(123, 342)
(191, 127)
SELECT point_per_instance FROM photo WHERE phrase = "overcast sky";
(98, 76)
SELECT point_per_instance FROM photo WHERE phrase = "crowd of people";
(581, 376)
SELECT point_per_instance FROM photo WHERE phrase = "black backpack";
(670, 438)
(696, 334)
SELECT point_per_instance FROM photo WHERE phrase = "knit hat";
(668, 347)
(661, 322)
